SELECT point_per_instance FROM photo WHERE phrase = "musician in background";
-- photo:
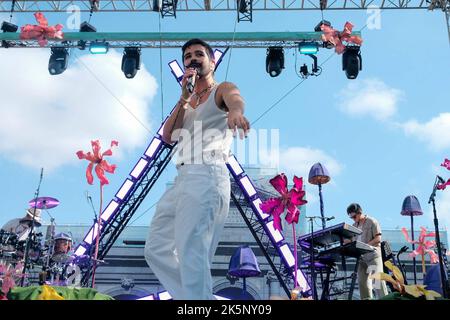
(370, 262)
(22, 226)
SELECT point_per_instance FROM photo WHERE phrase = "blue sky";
(382, 136)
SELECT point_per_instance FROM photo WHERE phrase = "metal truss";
(245, 10)
(213, 5)
(172, 40)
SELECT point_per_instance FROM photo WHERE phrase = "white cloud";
(299, 160)
(434, 133)
(45, 119)
(370, 97)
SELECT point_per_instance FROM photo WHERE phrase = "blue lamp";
(243, 264)
(411, 207)
(319, 175)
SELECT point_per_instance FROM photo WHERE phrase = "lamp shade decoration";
(243, 263)
(318, 174)
(411, 207)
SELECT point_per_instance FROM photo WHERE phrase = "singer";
(370, 262)
(190, 216)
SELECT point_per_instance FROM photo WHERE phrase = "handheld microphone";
(191, 80)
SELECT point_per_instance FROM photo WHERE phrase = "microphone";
(330, 218)
(440, 179)
(403, 249)
(42, 173)
(191, 80)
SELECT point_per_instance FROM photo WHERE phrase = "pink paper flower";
(41, 32)
(289, 200)
(337, 38)
(96, 158)
(9, 276)
(446, 164)
(424, 246)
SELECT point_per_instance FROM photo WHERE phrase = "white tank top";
(205, 137)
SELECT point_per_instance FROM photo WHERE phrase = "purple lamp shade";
(243, 263)
(411, 207)
(318, 174)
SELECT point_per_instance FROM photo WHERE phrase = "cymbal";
(43, 203)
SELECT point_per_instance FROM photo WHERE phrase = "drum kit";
(54, 255)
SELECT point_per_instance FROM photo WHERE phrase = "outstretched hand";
(236, 120)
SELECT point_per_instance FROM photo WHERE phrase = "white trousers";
(366, 268)
(185, 229)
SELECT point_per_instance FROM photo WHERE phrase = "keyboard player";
(370, 262)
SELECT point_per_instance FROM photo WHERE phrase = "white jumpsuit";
(190, 216)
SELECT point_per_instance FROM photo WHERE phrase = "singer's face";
(197, 54)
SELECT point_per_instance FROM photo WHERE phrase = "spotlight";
(99, 47)
(351, 62)
(8, 27)
(274, 61)
(85, 27)
(325, 22)
(131, 61)
(308, 47)
(57, 63)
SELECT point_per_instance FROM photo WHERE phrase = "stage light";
(80, 251)
(161, 129)
(274, 61)
(301, 280)
(287, 255)
(234, 165)
(109, 211)
(92, 234)
(58, 61)
(164, 296)
(87, 27)
(275, 234)
(248, 186)
(150, 297)
(153, 147)
(176, 70)
(125, 189)
(308, 47)
(255, 204)
(131, 61)
(99, 47)
(351, 62)
(139, 168)
(218, 55)
(9, 27)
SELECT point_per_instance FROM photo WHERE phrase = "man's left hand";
(236, 120)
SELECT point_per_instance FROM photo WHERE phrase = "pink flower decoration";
(442, 186)
(41, 32)
(289, 200)
(424, 247)
(336, 38)
(9, 275)
(96, 158)
(446, 164)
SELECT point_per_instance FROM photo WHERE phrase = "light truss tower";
(211, 5)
